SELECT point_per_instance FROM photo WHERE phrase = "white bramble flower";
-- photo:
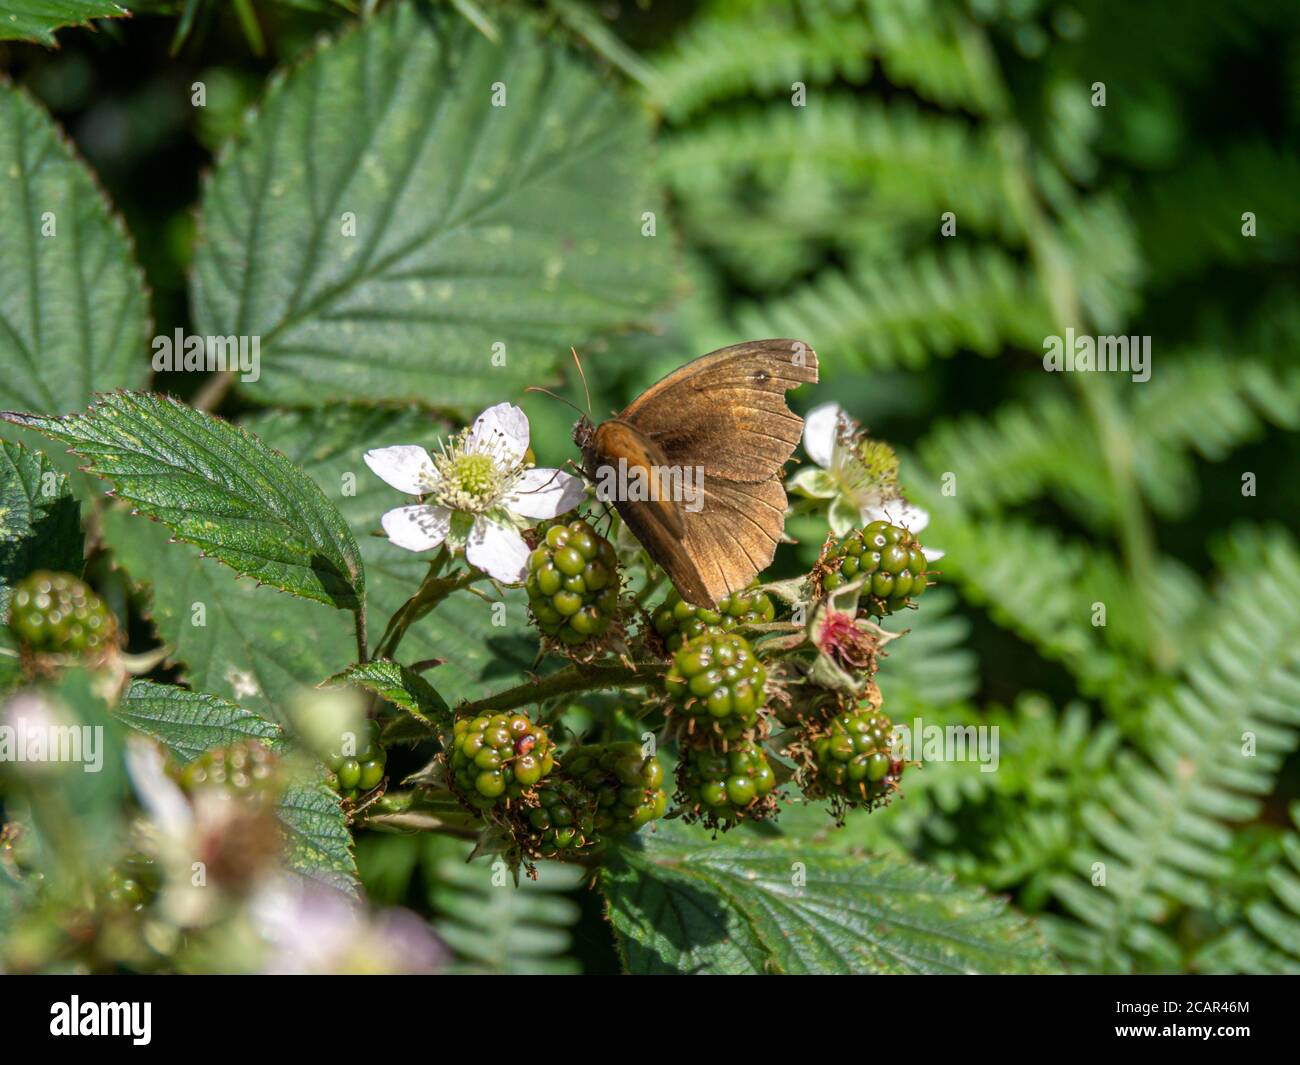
(857, 475)
(476, 493)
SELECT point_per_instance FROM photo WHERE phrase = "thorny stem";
(574, 678)
(359, 619)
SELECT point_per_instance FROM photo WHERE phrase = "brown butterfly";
(724, 418)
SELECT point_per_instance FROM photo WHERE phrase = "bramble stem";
(432, 591)
(572, 679)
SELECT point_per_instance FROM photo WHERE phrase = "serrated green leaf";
(254, 646)
(318, 843)
(36, 20)
(479, 655)
(73, 313)
(482, 233)
(40, 524)
(402, 687)
(218, 487)
(40, 528)
(187, 722)
(681, 903)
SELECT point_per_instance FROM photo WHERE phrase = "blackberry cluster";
(497, 758)
(889, 556)
(245, 769)
(562, 826)
(360, 773)
(716, 677)
(722, 787)
(57, 613)
(573, 583)
(852, 761)
(628, 786)
(676, 621)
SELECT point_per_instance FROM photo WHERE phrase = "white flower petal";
(406, 467)
(164, 802)
(418, 527)
(502, 432)
(545, 493)
(821, 428)
(811, 481)
(898, 512)
(498, 550)
(843, 516)
(932, 554)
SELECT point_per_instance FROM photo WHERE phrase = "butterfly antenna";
(587, 392)
(548, 392)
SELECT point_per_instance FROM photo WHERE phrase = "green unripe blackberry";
(562, 824)
(573, 583)
(498, 757)
(721, 787)
(854, 759)
(245, 769)
(889, 557)
(356, 774)
(717, 677)
(58, 613)
(628, 786)
(676, 621)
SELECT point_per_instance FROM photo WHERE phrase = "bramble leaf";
(418, 212)
(217, 486)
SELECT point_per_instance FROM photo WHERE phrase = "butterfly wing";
(727, 409)
(725, 412)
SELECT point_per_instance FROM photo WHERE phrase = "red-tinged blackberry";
(717, 678)
(59, 614)
(853, 760)
(891, 559)
(723, 787)
(245, 769)
(676, 621)
(627, 785)
(573, 583)
(562, 825)
(357, 774)
(498, 757)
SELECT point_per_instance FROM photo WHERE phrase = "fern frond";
(1190, 218)
(1023, 452)
(1207, 405)
(763, 50)
(1160, 834)
(907, 312)
(732, 50)
(1021, 827)
(932, 49)
(497, 928)
(932, 667)
(891, 158)
(1269, 940)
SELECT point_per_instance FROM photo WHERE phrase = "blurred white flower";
(476, 493)
(858, 475)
